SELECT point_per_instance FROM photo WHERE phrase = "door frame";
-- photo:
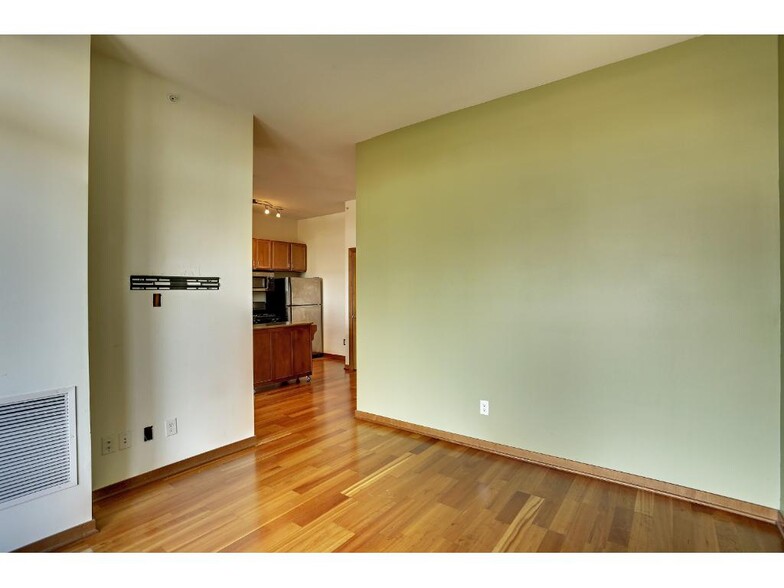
(352, 309)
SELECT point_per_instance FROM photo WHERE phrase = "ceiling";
(315, 97)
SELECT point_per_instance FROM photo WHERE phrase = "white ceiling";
(315, 97)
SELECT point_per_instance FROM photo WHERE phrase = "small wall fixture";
(268, 207)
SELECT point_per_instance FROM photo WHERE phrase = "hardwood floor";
(321, 481)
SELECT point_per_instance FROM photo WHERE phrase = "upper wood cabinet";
(299, 257)
(262, 254)
(279, 256)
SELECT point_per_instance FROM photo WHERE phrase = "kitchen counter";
(282, 352)
(278, 325)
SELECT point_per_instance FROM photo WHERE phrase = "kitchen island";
(282, 352)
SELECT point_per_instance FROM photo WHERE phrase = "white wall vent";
(37, 445)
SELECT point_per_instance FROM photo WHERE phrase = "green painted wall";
(599, 258)
(781, 243)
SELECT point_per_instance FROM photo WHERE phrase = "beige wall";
(328, 238)
(324, 236)
(351, 241)
(170, 191)
(351, 224)
(44, 110)
(598, 258)
(277, 229)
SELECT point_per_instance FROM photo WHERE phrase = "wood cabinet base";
(266, 386)
(282, 353)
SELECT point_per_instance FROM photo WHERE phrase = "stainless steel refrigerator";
(301, 299)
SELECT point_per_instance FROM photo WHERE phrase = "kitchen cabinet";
(282, 353)
(262, 353)
(299, 257)
(281, 256)
(302, 350)
(262, 254)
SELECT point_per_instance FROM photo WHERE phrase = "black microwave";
(263, 281)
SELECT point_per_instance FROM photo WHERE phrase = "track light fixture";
(268, 207)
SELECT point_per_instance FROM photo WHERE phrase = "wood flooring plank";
(520, 526)
(564, 516)
(512, 508)
(640, 536)
(621, 526)
(324, 537)
(547, 512)
(551, 542)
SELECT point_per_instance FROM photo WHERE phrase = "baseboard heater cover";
(37, 445)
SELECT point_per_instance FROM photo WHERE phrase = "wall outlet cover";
(125, 440)
(171, 427)
(148, 433)
(108, 444)
(484, 407)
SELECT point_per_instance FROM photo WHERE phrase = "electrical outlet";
(171, 427)
(125, 440)
(344, 341)
(484, 407)
(148, 433)
(108, 445)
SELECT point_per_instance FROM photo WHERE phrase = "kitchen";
(300, 289)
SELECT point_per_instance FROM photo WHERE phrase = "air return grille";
(37, 445)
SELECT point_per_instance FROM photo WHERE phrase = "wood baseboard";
(733, 505)
(60, 539)
(173, 468)
(780, 523)
(334, 356)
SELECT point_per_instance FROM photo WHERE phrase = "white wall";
(170, 191)
(350, 227)
(324, 236)
(266, 226)
(44, 109)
